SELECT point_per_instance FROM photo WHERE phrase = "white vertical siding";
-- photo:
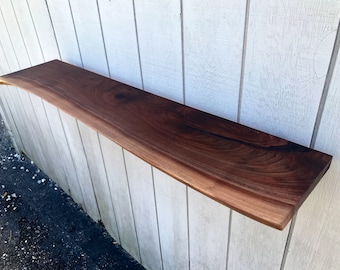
(208, 232)
(254, 246)
(144, 208)
(70, 127)
(119, 31)
(44, 29)
(64, 152)
(213, 38)
(28, 32)
(171, 202)
(193, 52)
(159, 36)
(120, 195)
(64, 31)
(101, 188)
(289, 45)
(89, 34)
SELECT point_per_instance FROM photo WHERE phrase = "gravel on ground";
(41, 227)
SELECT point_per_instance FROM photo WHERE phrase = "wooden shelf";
(259, 175)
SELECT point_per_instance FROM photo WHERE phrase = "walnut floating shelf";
(259, 175)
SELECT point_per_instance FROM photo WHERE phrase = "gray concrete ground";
(42, 228)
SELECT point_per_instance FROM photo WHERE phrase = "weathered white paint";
(208, 232)
(159, 36)
(8, 94)
(99, 179)
(28, 32)
(63, 27)
(89, 34)
(28, 119)
(316, 238)
(120, 195)
(144, 209)
(254, 245)
(10, 119)
(171, 202)
(44, 132)
(9, 61)
(71, 130)
(213, 37)
(68, 163)
(119, 33)
(44, 30)
(6, 114)
(11, 24)
(289, 46)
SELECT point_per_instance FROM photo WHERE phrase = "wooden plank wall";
(269, 65)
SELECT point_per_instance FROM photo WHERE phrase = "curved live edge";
(259, 175)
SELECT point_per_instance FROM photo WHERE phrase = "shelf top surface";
(259, 175)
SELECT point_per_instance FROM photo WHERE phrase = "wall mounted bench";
(259, 175)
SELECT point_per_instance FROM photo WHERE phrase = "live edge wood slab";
(259, 175)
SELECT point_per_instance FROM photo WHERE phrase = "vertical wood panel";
(316, 239)
(75, 144)
(120, 195)
(48, 143)
(15, 34)
(213, 38)
(117, 18)
(159, 34)
(254, 245)
(90, 39)
(16, 110)
(11, 123)
(9, 57)
(288, 50)
(65, 154)
(4, 68)
(44, 29)
(171, 203)
(144, 209)
(99, 179)
(26, 115)
(62, 20)
(208, 232)
(28, 32)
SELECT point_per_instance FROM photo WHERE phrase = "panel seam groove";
(131, 205)
(108, 185)
(155, 201)
(72, 158)
(75, 31)
(59, 157)
(182, 49)
(289, 238)
(103, 39)
(325, 90)
(52, 25)
(10, 39)
(137, 41)
(35, 31)
(243, 61)
(22, 37)
(90, 174)
(188, 225)
(229, 236)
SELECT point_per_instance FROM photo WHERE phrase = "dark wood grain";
(257, 174)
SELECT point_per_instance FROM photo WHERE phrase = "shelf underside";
(259, 175)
